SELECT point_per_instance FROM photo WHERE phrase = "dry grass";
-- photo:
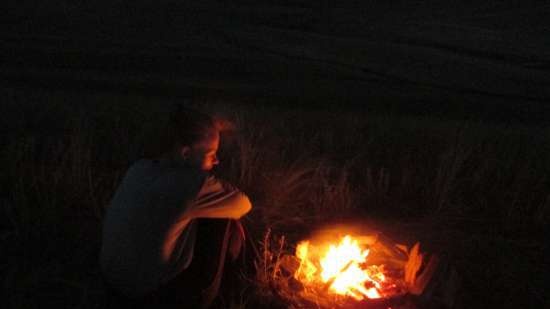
(300, 168)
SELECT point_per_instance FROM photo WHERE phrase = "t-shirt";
(149, 232)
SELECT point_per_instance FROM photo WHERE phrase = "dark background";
(459, 59)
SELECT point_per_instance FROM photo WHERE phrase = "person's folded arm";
(219, 199)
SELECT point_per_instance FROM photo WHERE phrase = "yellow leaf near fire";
(307, 269)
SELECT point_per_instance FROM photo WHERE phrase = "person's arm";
(219, 199)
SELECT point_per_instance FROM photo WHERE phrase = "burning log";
(365, 271)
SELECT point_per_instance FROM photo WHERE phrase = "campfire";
(338, 269)
(343, 269)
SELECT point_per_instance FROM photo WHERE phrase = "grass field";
(479, 192)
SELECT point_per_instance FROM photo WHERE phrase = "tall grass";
(300, 168)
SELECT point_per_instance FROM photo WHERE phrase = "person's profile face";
(203, 155)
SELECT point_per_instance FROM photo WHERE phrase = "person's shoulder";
(172, 177)
(139, 163)
(146, 163)
(143, 169)
(142, 165)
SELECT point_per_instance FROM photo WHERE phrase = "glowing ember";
(340, 268)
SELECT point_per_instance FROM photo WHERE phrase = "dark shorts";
(185, 290)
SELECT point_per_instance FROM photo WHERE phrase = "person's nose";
(215, 161)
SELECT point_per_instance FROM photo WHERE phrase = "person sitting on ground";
(171, 223)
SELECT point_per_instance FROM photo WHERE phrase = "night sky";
(460, 59)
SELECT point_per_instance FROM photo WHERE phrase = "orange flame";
(342, 268)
